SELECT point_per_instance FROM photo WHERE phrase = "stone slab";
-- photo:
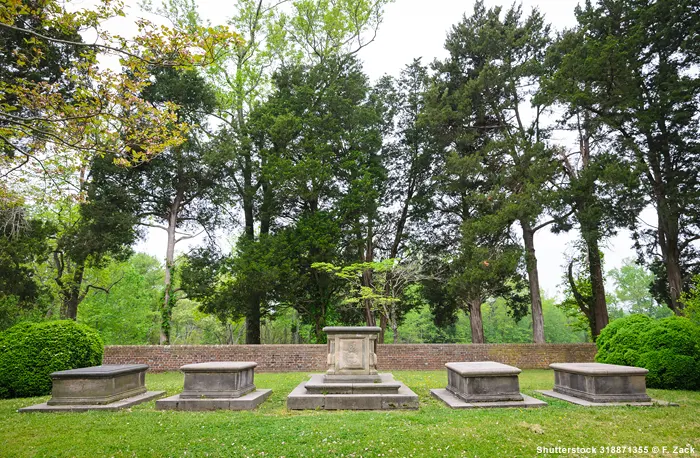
(219, 366)
(385, 384)
(105, 370)
(454, 402)
(301, 399)
(248, 401)
(353, 329)
(374, 378)
(598, 369)
(482, 369)
(584, 402)
(118, 405)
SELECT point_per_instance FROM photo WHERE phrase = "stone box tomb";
(597, 383)
(483, 384)
(217, 385)
(107, 387)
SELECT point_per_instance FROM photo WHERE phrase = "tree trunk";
(71, 294)
(534, 283)
(368, 256)
(167, 307)
(675, 283)
(252, 321)
(475, 321)
(394, 323)
(382, 325)
(670, 253)
(599, 305)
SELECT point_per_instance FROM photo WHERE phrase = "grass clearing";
(271, 430)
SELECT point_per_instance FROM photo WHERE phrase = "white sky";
(418, 28)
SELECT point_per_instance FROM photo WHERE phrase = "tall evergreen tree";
(633, 65)
(495, 67)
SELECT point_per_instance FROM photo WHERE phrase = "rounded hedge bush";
(619, 342)
(29, 352)
(669, 348)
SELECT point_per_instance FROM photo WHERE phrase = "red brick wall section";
(291, 358)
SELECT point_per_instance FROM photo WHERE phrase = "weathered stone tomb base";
(587, 403)
(114, 406)
(248, 401)
(454, 402)
(320, 394)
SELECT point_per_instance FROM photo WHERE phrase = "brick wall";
(288, 358)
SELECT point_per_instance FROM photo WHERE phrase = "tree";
(312, 32)
(128, 314)
(386, 293)
(24, 245)
(322, 136)
(405, 190)
(580, 302)
(633, 64)
(632, 290)
(178, 190)
(498, 64)
(60, 107)
(487, 266)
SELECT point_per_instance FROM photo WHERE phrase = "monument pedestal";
(108, 387)
(483, 384)
(352, 381)
(215, 386)
(599, 384)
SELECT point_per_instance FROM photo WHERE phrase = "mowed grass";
(271, 430)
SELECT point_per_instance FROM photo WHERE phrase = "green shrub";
(669, 348)
(619, 342)
(670, 370)
(675, 333)
(29, 352)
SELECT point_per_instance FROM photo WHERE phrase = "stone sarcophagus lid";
(108, 387)
(352, 350)
(601, 383)
(483, 381)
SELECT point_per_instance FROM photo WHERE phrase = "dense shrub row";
(669, 348)
(29, 352)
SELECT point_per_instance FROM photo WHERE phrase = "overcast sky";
(418, 28)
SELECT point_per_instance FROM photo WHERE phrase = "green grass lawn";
(434, 430)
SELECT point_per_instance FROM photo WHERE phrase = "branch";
(582, 302)
(157, 226)
(101, 288)
(86, 45)
(189, 236)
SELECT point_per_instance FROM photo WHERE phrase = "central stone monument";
(352, 381)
